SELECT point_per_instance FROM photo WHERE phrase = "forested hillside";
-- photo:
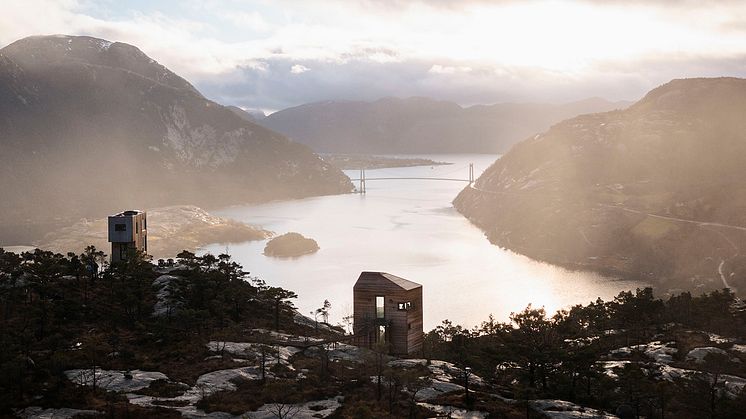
(199, 336)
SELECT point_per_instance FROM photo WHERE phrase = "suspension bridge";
(362, 179)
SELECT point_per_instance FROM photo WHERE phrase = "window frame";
(380, 309)
(404, 306)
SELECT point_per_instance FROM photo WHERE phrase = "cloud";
(448, 69)
(261, 54)
(298, 69)
(359, 79)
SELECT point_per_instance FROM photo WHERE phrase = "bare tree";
(283, 410)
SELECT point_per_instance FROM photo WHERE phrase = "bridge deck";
(410, 178)
(362, 179)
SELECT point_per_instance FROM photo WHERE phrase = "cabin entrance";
(381, 334)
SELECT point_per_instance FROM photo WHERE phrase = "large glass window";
(379, 307)
(120, 227)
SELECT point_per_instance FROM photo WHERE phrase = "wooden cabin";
(128, 233)
(388, 310)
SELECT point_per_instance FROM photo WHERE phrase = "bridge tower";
(362, 181)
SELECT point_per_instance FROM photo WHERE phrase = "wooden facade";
(388, 310)
(128, 232)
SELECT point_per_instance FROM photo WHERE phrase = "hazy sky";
(272, 54)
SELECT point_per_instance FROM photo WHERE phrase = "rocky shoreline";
(171, 230)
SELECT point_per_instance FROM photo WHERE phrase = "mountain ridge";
(90, 126)
(421, 125)
(648, 192)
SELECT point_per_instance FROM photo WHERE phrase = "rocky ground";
(269, 374)
(435, 388)
(201, 338)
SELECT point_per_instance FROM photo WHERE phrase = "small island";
(290, 245)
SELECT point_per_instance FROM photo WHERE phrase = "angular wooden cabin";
(388, 309)
(128, 232)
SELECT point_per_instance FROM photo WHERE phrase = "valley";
(409, 228)
(372, 209)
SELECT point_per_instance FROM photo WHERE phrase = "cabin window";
(404, 306)
(379, 307)
(120, 227)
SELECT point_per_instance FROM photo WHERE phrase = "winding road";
(701, 224)
(681, 220)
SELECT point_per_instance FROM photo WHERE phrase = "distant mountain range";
(89, 126)
(422, 125)
(655, 191)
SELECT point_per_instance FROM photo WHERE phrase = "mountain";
(252, 115)
(655, 191)
(421, 125)
(88, 126)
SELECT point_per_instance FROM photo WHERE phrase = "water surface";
(409, 228)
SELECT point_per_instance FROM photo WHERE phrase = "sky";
(274, 54)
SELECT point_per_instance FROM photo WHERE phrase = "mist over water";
(409, 228)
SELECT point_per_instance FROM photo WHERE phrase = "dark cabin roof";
(366, 277)
(128, 213)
